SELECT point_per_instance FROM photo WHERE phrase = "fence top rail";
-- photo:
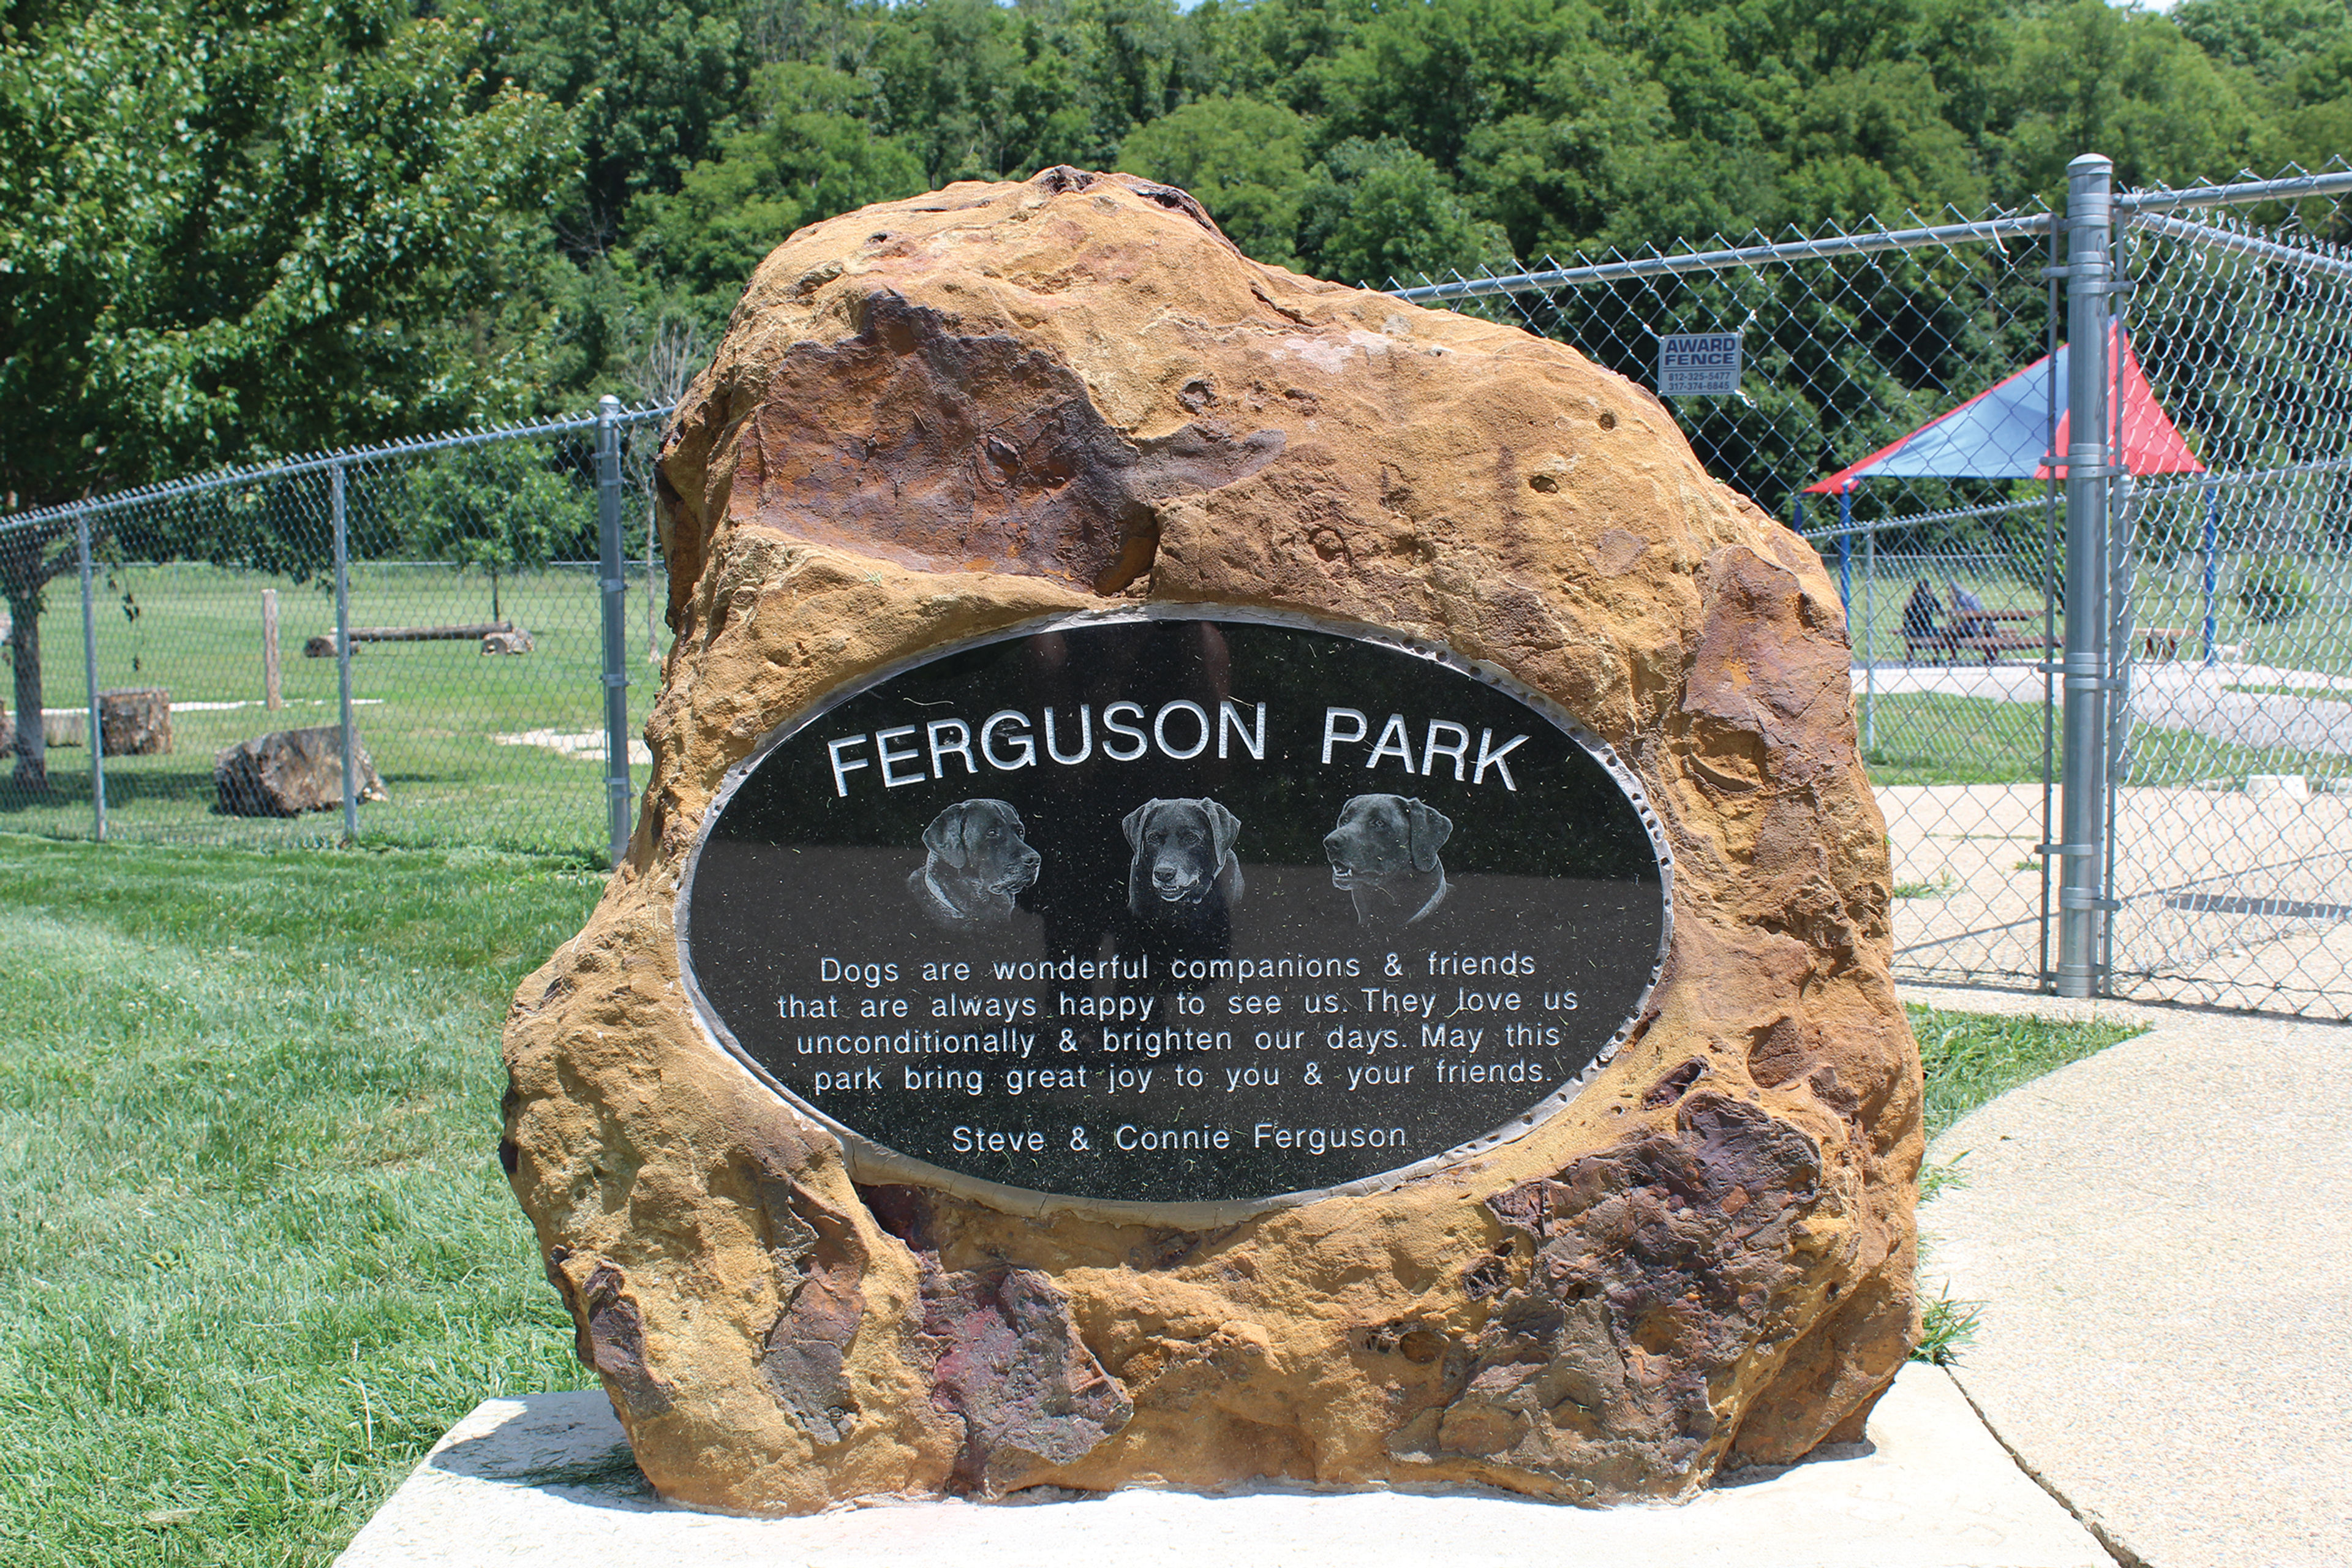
(2326, 260)
(406, 447)
(2238, 192)
(2141, 489)
(1981, 231)
(1915, 518)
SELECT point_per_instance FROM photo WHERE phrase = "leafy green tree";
(1376, 210)
(2085, 76)
(653, 86)
(1245, 160)
(2270, 38)
(498, 510)
(230, 229)
(806, 160)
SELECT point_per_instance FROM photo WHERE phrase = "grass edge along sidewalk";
(257, 1251)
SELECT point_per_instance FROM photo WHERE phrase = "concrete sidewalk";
(2161, 1237)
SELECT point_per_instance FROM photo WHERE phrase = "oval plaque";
(1213, 912)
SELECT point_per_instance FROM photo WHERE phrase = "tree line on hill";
(234, 228)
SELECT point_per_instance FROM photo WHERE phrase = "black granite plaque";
(1174, 911)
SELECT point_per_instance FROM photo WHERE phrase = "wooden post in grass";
(271, 686)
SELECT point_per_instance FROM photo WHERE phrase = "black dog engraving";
(1184, 872)
(978, 862)
(1384, 856)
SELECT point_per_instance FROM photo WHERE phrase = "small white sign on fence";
(1698, 364)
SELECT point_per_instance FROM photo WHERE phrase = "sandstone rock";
(289, 771)
(135, 722)
(943, 417)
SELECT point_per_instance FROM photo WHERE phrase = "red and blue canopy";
(1999, 432)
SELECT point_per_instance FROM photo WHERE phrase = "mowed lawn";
(255, 1251)
(429, 713)
(1929, 738)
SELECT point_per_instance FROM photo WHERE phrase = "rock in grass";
(289, 771)
(942, 417)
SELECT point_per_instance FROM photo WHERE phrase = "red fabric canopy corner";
(1999, 432)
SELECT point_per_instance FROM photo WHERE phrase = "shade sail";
(1997, 434)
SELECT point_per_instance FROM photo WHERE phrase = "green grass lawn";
(1927, 738)
(427, 711)
(257, 1254)
(258, 1251)
(1971, 1057)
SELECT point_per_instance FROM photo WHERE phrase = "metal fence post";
(611, 579)
(343, 650)
(2090, 232)
(1869, 647)
(97, 736)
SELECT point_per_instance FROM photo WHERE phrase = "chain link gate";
(2146, 796)
(2229, 876)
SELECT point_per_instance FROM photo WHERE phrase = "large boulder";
(289, 771)
(942, 417)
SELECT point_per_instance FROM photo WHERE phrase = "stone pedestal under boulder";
(961, 414)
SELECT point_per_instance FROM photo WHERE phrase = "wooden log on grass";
(324, 647)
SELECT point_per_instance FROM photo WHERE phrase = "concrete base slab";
(548, 1479)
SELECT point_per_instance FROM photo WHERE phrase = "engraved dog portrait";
(977, 864)
(1183, 872)
(1384, 855)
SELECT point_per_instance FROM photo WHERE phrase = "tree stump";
(135, 722)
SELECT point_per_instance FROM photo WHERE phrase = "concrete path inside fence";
(2161, 1240)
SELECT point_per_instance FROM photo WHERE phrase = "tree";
(30, 556)
(1376, 210)
(653, 85)
(1243, 159)
(497, 509)
(233, 229)
(806, 159)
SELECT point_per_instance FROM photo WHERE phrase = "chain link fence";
(2211, 753)
(1847, 342)
(183, 647)
(2229, 874)
(2147, 798)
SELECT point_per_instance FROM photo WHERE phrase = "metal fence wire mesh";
(2232, 776)
(1849, 341)
(2192, 727)
(470, 587)
(2222, 626)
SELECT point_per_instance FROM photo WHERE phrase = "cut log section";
(324, 647)
(135, 722)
